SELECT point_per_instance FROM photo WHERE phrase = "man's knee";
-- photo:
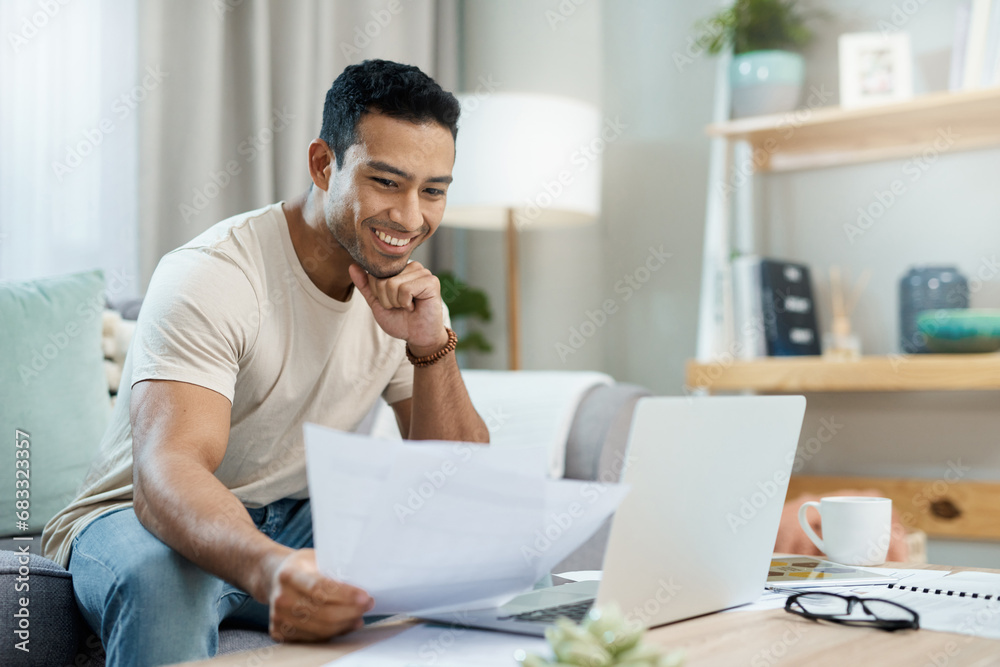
(142, 597)
(130, 563)
(159, 571)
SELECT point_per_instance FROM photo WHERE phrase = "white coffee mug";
(856, 529)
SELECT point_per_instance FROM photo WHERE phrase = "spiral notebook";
(972, 585)
(964, 602)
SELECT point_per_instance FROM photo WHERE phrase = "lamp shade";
(536, 155)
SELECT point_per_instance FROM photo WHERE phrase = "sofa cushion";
(36, 596)
(53, 388)
(596, 451)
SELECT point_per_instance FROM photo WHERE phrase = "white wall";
(514, 45)
(619, 56)
(655, 185)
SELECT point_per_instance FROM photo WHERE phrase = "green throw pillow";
(53, 394)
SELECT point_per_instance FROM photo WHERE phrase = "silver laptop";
(696, 533)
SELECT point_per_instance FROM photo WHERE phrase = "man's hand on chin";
(305, 605)
(407, 306)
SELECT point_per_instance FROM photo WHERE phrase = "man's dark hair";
(399, 91)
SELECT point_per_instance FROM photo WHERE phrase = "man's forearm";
(441, 408)
(190, 510)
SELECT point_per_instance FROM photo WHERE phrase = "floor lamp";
(524, 161)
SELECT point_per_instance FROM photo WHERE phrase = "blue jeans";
(152, 606)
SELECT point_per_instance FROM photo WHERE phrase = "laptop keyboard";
(575, 611)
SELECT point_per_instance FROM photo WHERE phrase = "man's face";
(389, 196)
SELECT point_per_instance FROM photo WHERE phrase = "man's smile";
(392, 245)
(392, 240)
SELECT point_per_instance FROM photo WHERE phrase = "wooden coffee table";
(756, 638)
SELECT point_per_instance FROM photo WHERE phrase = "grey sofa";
(59, 636)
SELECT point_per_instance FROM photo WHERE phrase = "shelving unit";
(811, 138)
(781, 375)
(833, 136)
(942, 122)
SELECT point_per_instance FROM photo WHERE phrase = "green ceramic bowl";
(961, 329)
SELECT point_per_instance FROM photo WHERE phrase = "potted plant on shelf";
(765, 75)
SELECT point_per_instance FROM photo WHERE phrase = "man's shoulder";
(241, 232)
(241, 244)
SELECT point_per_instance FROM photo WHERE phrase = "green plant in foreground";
(757, 25)
(604, 639)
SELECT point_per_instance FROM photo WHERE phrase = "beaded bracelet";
(432, 359)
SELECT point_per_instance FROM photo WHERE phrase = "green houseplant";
(604, 639)
(766, 74)
(465, 302)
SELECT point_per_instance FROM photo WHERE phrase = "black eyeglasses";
(849, 610)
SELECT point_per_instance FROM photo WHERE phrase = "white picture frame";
(875, 68)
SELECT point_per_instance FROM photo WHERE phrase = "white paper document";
(581, 575)
(938, 611)
(954, 613)
(442, 526)
(775, 599)
(446, 647)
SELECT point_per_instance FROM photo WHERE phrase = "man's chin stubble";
(380, 272)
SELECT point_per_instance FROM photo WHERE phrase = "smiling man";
(307, 310)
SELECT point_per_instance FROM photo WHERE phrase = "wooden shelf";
(830, 136)
(780, 375)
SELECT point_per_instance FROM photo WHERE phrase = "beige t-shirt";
(234, 311)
